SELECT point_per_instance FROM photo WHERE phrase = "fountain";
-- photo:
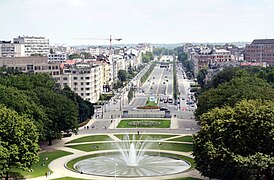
(132, 161)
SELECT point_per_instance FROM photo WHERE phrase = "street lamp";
(115, 165)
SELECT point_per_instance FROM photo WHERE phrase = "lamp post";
(115, 165)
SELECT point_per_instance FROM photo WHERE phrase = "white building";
(83, 79)
(95, 51)
(57, 58)
(33, 45)
(8, 49)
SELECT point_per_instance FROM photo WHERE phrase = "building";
(84, 79)
(33, 45)
(30, 64)
(105, 75)
(260, 50)
(8, 49)
(57, 58)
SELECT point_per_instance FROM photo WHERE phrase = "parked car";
(163, 109)
(161, 99)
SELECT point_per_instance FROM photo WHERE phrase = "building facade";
(57, 58)
(30, 64)
(33, 45)
(260, 50)
(8, 49)
(83, 79)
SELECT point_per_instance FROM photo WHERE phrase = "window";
(82, 83)
(82, 78)
(87, 94)
(65, 78)
(87, 83)
(75, 84)
(75, 78)
(87, 89)
(82, 89)
(87, 77)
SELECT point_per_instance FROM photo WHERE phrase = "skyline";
(151, 21)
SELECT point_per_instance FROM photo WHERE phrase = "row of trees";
(147, 57)
(33, 107)
(149, 71)
(236, 111)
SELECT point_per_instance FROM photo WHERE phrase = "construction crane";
(110, 39)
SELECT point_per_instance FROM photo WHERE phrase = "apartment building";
(260, 50)
(96, 51)
(105, 75)
(84, 79)
(30, 64)
(9, 49)
(57, 58)
(33, 45)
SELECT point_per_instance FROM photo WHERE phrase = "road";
(159, 85)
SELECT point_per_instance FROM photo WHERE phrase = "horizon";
(155, 22)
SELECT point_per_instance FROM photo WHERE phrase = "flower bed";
(144, 123)
(148, 107)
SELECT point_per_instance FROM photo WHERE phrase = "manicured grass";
(93, 146)
(90, 139)
(124, 123)
(144, 136)
(186, 178)
(173, 146)
(182, 139)
(149, 103)
(105, 146)
(40, 167)
(69, 178)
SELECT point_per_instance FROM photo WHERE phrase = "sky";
(135, 21)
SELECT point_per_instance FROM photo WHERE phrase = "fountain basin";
(113, 165)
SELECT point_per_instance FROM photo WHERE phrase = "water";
(131, 161)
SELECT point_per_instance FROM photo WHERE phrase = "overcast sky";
(153, 21)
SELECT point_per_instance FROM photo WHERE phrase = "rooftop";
(263, 41)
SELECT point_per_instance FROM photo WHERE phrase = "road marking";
(159, 81)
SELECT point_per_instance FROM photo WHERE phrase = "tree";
(74, 56)
(24, 105)
(231, 92)
(85, 108)
(61, 111)
(122, 75)
(18, 141)
(201, 77)
(237, 143)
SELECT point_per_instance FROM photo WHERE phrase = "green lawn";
(173, 146)
(182, 139)
(105, 146)
(125, 123)
(144, 136)
(69, 178)
(149, 103)
(93, 146)
(90, 139)
(40, 167)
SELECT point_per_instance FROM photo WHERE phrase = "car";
(163, 109)
(161, 99)
(165, 101)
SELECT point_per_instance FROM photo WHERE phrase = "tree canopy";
(231, 92)
(18, 141)
(122, 75)
(237, 142)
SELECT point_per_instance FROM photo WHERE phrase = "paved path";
(59, 170)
